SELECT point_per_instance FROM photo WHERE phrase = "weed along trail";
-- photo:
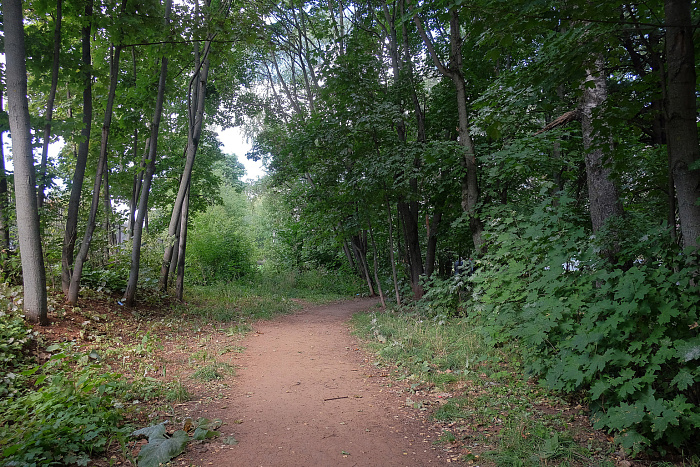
(305, 395)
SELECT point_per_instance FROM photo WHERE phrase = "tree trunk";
(130, 293)
(182, 246)
(49, 103)
(71, 232)
(431, 249)
(469, 182)
(681, 122)
(196, 119)
(33, 272)
(4, 202)
(390, 222)
(408, 211)
(376, 272)
(603, 195)
(360, 248)
(100, 172)
(414, 257)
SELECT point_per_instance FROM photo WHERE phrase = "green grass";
(213, 371)
(494, 403)
(267, 294)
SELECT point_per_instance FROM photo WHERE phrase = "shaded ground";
(305, 395)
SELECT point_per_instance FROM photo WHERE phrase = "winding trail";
(305, 395)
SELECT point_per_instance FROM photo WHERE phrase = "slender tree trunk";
(376, 272)
(50, 102)
(603, 194)
(33, 272)
(101, 171)
(431, 249)
(176, 250)
(408, 211)
(390, 222)
(182, 246)
(71, 231)
(4, 202)
(469, 182)
(132, 283)
(681, 121)
(196, 114)
(360, 248)
(136, 190)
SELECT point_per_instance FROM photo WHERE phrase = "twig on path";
(336, 398)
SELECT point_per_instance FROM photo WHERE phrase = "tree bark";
(603, 194)
(681, 122)
(49, 103)
(71, 232)
(4, 202)
(33, 272)
(469, 181)
(390, 222)
(408, 210)
(130, 293)
(182, 246)
(100, 173)
(376, 271)
(196, 119)
(360, 246)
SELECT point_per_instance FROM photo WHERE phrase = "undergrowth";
(268, 293)
(495, 410)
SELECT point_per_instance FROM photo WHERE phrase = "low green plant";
(69, 415)
(213, 371)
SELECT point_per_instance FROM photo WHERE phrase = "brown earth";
(305, 395)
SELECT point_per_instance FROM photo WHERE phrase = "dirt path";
(305, 395)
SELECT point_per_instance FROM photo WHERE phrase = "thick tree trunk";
(33, 272)
(681, 120)
(431, 249)
(100, 173)
(49, 103)
(130, 293)
(603, 195)
(413, 252)
(71, 231)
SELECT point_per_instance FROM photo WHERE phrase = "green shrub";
(626, 333)
(69, 415)
(217, 250)
(15, 339)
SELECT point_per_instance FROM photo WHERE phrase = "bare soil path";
(305, 395)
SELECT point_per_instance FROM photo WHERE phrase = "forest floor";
(297, 390)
